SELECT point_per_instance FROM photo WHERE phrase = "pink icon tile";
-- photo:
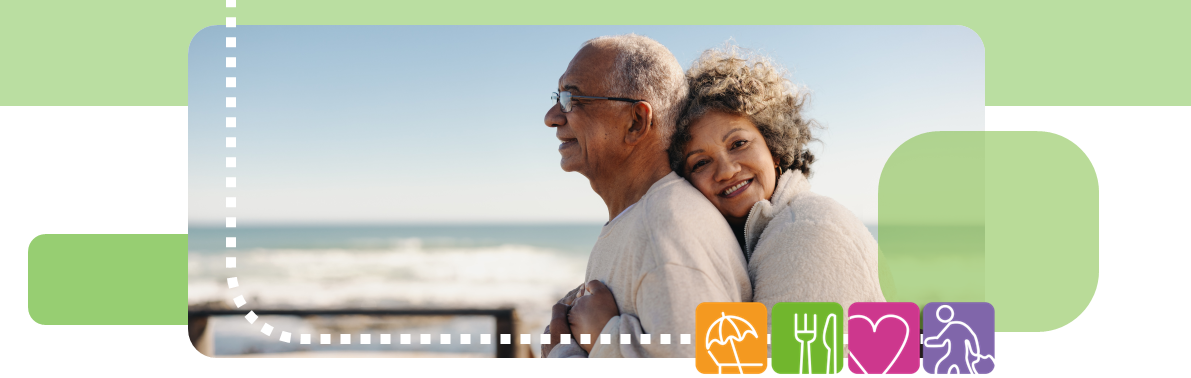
(883, 338)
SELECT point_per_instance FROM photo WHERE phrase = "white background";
(117, 170)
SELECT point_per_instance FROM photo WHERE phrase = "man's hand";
(558, 327)
(569, 299)
(591, 312)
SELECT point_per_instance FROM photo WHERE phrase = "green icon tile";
(807, 338)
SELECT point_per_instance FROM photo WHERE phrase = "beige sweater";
(662, 257)
(803, 247)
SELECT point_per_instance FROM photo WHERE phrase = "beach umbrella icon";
(729, 330)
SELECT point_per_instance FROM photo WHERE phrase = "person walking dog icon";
(959, 344)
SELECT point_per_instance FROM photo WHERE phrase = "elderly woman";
(742, 141)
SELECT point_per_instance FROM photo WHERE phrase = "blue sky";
(375, 124)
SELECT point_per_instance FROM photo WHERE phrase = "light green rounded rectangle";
(1042, 230)
(107, 279)
(133, 52)
(1009, 218)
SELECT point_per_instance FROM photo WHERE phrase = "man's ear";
(642, 125)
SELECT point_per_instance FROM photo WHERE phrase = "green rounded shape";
(107, 279)
(1009, 218)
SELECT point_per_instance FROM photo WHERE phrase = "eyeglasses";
(563, 99)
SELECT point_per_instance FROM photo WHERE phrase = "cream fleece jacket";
(803, 247)
(662, 257)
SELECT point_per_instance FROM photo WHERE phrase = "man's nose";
(555, 117)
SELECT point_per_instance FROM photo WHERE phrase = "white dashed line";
(231, 182)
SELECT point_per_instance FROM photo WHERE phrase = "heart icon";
(882, 346)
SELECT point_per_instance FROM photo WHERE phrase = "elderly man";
(665, 248)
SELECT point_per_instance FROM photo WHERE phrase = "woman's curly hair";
(750, 85)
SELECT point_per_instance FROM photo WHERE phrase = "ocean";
(527, 267)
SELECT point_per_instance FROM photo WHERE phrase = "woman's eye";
(739, 143)
(698, 164)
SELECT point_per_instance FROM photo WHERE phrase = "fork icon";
(805, 336)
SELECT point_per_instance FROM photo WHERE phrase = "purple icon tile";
(957, 338)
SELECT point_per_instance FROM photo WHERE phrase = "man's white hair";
(646, 70)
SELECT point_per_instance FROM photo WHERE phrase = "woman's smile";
(735, 190)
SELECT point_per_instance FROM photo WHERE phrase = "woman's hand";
(591, 312)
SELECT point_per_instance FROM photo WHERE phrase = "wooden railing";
(505, 319)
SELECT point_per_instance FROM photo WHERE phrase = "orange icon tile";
(731, 338)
